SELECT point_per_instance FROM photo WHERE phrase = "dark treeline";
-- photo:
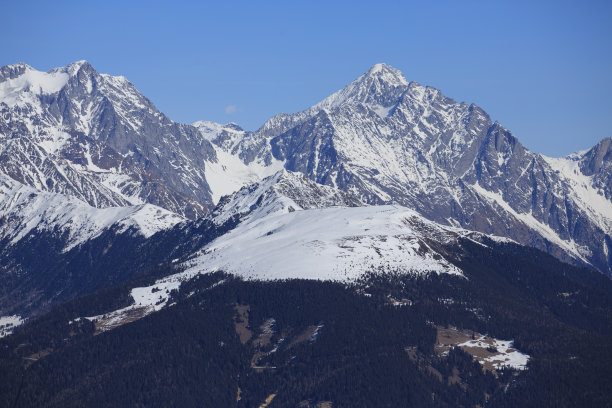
(330, 342)
(35, 274)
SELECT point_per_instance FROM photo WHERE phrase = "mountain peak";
(79, 63)
(73, 68)
(597, 158)
(378, 67)
(381, 85)
(9, 72)
(212, 130)
(386, 73)
(17, 66)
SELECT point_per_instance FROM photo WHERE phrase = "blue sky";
(543, 70)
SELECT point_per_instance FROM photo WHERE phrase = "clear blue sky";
(542, 69)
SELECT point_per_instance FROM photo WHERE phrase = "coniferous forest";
(227, 342)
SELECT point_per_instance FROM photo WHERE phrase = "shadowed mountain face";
(382, 139)
(385, 139)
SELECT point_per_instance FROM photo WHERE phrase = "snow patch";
(505, 356)
(146, 300)
(9, 323)
(382, 111)
(54, 141)
(21, 89)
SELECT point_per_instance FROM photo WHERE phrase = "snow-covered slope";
(292, 227)
(226, 172)
(25, 210)
(339, 243)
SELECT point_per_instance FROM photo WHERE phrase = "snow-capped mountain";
(94, 136)
(289, 227)
(384, 139)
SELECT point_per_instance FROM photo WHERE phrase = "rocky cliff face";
(597, 163)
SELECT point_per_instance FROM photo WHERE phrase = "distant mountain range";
(82, 153)
(382, 139)
(387, 236)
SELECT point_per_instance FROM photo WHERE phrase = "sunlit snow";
(32, 82)
(329, 243)
(9, 323)
(505, 355)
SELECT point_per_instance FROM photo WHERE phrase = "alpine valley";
(385, 247)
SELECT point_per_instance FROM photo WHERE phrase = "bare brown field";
(241, 323)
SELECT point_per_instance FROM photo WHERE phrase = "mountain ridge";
(381, 138)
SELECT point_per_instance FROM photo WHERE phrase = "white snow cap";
(369, 88)
(19, 90)
(339, 243)
(388, 73)
(15, 90)
(294, 228)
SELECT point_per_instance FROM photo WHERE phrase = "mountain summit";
(74, 131)
(385, 139)
(380, 86)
